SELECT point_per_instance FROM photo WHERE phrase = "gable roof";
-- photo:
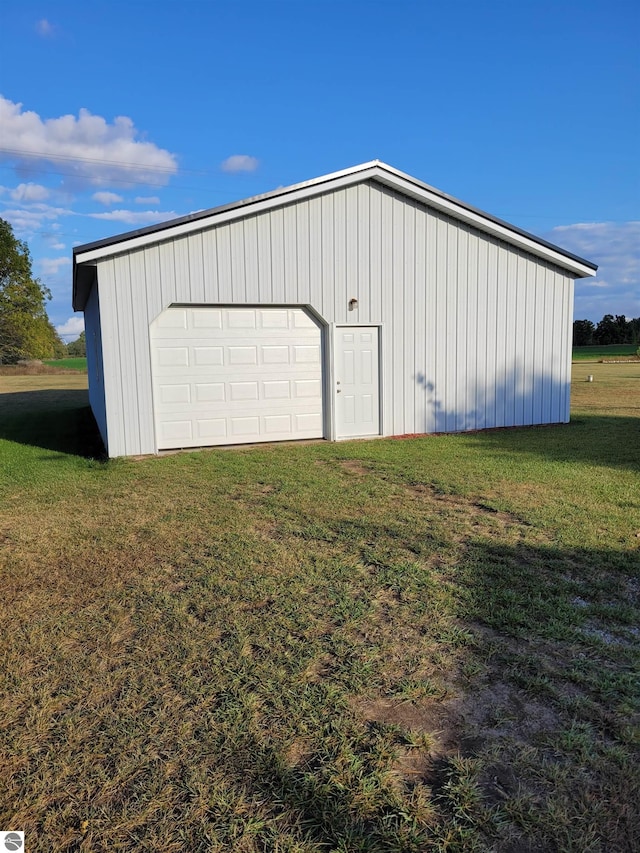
(374, 170)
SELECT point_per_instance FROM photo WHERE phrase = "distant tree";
(25, 329)
(78, 349)
(59, 347)
(623, 328)
(583, 333)
(609, 331)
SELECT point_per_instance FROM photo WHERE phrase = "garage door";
(235, 375)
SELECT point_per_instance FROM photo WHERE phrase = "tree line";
(25, 329)
(610, 330)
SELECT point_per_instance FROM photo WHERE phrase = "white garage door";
(235, 375)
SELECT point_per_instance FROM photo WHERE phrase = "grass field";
(68, 363)
(392, 645)
(597, 353)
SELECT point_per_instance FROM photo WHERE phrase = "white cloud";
(147, 199)
(239, 163)
(87, 146)
(135, 217)
(71, 329)
(615, 247)
(107, 198)
(52, 266)
(29, 192)
(45, 28)
(30, 219)
(595, 282)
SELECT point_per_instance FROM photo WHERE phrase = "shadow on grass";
(608, 440)
(58, 420)
(548, 718)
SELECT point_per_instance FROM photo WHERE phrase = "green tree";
(583, 333)
(78, 349)
(608, 331)
(25, 329)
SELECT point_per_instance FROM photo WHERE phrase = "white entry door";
(231, 375)
(357, 385)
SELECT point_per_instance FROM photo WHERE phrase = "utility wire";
(44, 155)
(126, 181)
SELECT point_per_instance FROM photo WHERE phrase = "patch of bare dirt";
(298, 753)
(319, 668)
(475, 514)
(354, 467)
(440, 722)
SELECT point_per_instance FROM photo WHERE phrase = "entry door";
(357, 386)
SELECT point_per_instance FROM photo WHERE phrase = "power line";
(45, 155)
(124, 181)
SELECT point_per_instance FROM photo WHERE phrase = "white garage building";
(361, 303)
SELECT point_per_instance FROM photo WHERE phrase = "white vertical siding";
(409, 298)
(386, 237)
(302, 255)
(428, 362)
(478, 333)
(472, 302)
(475, 333)
(420, 316)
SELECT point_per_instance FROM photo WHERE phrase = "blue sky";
(118, 115)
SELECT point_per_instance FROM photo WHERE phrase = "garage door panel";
(175, 394)
(275, 355)
(174, 319)
(273, 319)
(308, 422)
(177, 430)
(173, 356)
(206, 318)
(242, 355)
(277, 424)
(211, 428)
(210, 392)
(246, 426)
(243, 318)
(306, 354)
(206, 356)
(307, 388)
(276, 389)
(244, 391)
(236, 375)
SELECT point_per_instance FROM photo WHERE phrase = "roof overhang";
(91, 253)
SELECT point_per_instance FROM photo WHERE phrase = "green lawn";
(392, 645)
(597, 353)
(68, 363)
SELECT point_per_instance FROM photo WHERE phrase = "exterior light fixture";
(353, 304)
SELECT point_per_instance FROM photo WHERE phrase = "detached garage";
(358, 304)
